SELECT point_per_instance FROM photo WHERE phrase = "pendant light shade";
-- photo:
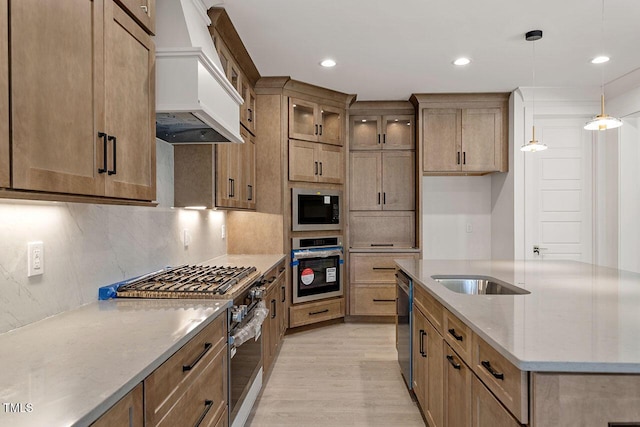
(533, 145)
(603, 121)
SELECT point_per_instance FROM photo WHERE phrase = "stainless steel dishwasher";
(404, 325)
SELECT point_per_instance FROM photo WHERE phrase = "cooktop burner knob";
(237, 314)
(257, 293)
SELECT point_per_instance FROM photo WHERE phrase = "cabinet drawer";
(167, 384)
(389, 229)
(486, 410)
(272, 276)
(306, 314)
(508, 383)
(127, 412)
(375, 268)
(377, 300)
(429, 306)
(458, 336)
(205, 398)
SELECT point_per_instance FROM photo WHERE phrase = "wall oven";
(315, 209)
(317, 268)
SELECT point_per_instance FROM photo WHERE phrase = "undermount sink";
(478, 285)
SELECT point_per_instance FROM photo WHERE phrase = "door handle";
(384, 138)
(320, 168)
(458, 158)
(454, 364)
(537, 249)
(103, 135)
(316, 129)
(321, 130)
(464, 157)
(423, 334)
(250, 117)
(115, 150)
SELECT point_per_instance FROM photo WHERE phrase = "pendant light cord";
(602, 65)
(533, 83)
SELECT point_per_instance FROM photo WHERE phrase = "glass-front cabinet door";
(398, 132)
(302, 120)
(366, 132)
(330, 125)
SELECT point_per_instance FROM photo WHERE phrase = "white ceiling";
(390, 49)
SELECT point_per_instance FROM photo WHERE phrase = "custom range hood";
(195, 103)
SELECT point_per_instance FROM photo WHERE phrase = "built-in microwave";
(315, 209)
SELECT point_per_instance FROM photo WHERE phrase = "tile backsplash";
(87, 246)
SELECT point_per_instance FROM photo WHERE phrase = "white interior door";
(559, 192)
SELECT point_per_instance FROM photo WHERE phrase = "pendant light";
(533, 145)
(602, 121)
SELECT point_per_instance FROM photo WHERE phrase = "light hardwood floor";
(339, 375)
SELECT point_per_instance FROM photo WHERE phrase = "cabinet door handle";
(464, 157)
(454, 364)
(458, 158)
(378, 198)
(250, 188)
(320, 129)
(281, 269)
(383, 300)
(326, 310)
(103, 135)
(320, 168)
(316, 130)
(232, 187)
(378, 138)
(250, 117)
(208, 404)
(456, 336)
(488, 367)
(384, 138)
(273, 311)
(284, 294)
(381, 244)
(384, 198)
(207, 346)
(383, 268)
(423, 334)
(115, 151)
(145, 9)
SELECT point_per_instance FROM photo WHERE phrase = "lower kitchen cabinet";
(314, 312)
(127, 412)
(191, 386)
(4, 97)
(274, 326)
(457, 389)
(373, 300)
(486, 411)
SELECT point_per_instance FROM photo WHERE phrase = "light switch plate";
(35, 259)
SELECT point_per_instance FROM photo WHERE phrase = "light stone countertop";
(578, 318)
(74, 366)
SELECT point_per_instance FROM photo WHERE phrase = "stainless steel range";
(244, 285)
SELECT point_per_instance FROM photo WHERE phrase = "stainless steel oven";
(315, 209)
(317, 268)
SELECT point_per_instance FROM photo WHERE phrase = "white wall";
(629, 203)
(449, 204)
(87, 246)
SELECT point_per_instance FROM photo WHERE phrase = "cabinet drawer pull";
(281, 269)
(272, 279)
(103, 135)
(458, 159)
(383, 300)
(284, 294)
(384, 268)
(422, 350)
(273, 311)
(381, 244)
(115, 150)
(326, 310)
(207, 346)
(208, 404)
(488, 367)
(456, 336)
(454, 364)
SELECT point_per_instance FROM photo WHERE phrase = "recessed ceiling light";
(462, 61)
(364, 120)
(328, 63)
(600, 60)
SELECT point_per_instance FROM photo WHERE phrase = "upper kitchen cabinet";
(4, 96)
(237, 65)
(315, 162)
(143, 11)
(463, 134)
(389, 132)
(82, 100)
(310, 121)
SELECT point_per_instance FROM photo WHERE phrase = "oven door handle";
(316, 254)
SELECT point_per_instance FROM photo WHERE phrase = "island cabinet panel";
(419, 358)
(82, 100)
(578, 400)
(487, 411)
(457, 389)
(127, 412)
(192, 383)
(508, 383)
(274, 326)
(458, 336)
(4, 97)
(428, 304)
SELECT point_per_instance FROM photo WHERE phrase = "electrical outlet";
(186, 237)
(223, 231)
(469, 227)
(35, 259)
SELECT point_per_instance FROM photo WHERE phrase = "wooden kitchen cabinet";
(235, 174)
(126, 412)
(419, 358)
(463, 134)
(314, 162)
(275, 324)
(5, 180)
(310, 121)
(248, 107)
(82, 100)
(457, 389)
(143, 11)
(387, 132)
(382, 181)
(382, 230)
(174, 395)
(486, 410)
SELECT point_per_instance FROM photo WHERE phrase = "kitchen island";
(572, 341)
